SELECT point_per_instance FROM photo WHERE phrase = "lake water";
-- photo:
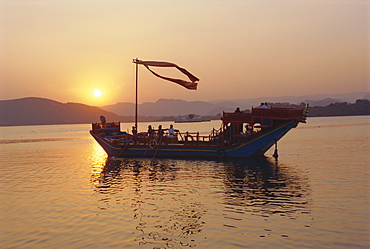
(58, 190)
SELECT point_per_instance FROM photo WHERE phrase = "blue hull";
(256, 146)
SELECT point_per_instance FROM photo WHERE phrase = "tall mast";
(136, 95)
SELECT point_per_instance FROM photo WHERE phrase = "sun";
(97, 93)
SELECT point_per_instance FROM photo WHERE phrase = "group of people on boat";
(159, 133)
(264, 105)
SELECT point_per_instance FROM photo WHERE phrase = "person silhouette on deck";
(238, 110)
(160, 131)
(102, 119)
(171, 131)
(150, 131)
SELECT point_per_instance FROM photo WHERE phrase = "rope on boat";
(124, 148)
(160, 141)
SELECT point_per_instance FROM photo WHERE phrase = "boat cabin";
(236, 126)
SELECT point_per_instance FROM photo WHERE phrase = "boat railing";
(144, 138)
(111, 132)
(195, 138)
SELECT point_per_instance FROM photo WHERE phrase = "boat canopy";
(258, 115)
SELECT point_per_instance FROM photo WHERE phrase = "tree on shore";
(360, 107)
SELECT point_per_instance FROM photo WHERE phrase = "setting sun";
(97, 93)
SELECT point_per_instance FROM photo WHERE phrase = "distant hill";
(121, 108)
(360, 107)
(40, 111)
(313, 99)
(168, 107)
(323, 102)
(175, 107)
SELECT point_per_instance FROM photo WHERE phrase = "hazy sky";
(65, 49)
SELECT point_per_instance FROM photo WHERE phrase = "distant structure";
(190, 118)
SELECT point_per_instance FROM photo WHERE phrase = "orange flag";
(192, 85)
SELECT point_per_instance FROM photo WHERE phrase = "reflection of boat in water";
(243, 180)
(173, 201)
(240, 134)
(190, 118)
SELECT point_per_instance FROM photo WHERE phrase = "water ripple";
(172, 201)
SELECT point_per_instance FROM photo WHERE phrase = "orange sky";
(63, 50)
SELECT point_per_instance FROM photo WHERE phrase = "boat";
(190, 118)
(240, 135)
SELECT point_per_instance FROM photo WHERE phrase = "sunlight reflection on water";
(98, 160)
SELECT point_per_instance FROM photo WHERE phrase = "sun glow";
(97, 93)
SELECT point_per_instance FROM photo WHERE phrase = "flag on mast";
(192, 85)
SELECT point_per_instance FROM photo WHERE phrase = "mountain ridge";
(175, 107)
(43, 111)
(40, 111)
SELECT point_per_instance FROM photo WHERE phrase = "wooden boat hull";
(256, 146)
